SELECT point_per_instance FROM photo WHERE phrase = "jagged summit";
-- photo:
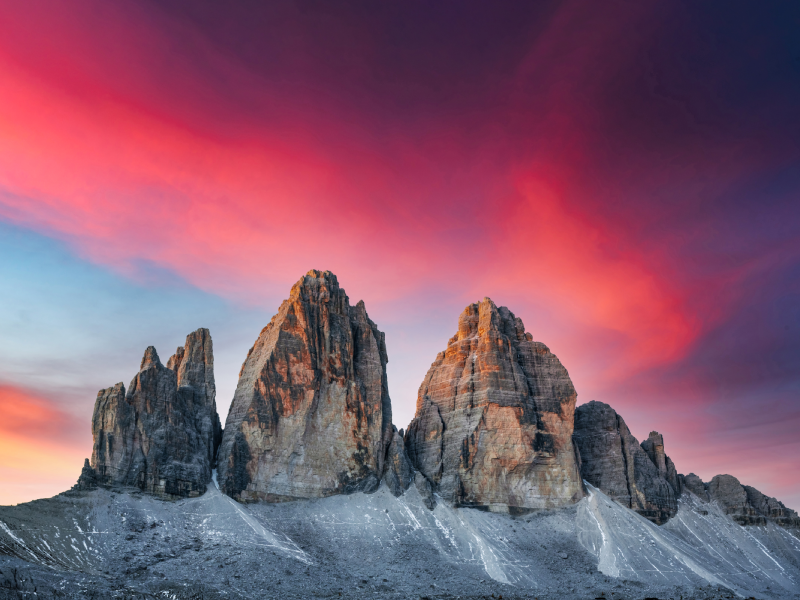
(613, 461)
(311, 415)
(161, 435)
(494, 417)
(496, 429)
(745, 504)
(644, 479)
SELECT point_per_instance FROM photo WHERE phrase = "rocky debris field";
(104, 544)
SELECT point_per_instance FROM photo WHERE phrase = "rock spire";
(494, 418)
(311, 415)
(161, 435)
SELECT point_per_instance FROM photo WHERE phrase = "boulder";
(311, 415)
(494, 417)
(160, 435)
(613, 461)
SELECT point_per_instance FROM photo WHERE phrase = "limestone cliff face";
(773, 509)
(654, 447)
(694, 484)
(731, 496)
(160, 435)
(613, 461)
(398, 472)
(745, 504)
(493, 425)
(311, 415)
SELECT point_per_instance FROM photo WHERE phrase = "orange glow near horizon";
(41, 448)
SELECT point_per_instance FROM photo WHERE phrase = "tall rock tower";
(311, 415)
(494, 419)
(162, 434)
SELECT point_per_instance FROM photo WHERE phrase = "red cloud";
(41, 447)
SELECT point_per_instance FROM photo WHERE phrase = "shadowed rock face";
(311, 416)
(695, 485)
(399, 474)
(771, 508)
(732, 497)
(654, 447)
(613, 461)
(160, 436)
(745, 504)
(494, 418)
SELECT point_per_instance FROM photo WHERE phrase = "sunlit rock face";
(311, 415)
(162, 434)
(613, 461)
(494, 418)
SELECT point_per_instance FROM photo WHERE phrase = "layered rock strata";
(398, 472)
(613, 461)
(745, 504)
(494, 418)
(694, 484)
(311, 415)
(161, 435)
(654, 447)
(771, 508)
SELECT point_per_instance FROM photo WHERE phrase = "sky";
(624, 176)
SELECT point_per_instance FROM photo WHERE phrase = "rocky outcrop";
(613, 461)
(311, 415)
(87, 480)
(694, 484)
(745, 504)
(161, 435)
(194, 365)
(772, 509)
(398, 472)
(654, 447)
(493, 425)
(732, 497)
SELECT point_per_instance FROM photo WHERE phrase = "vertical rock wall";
(494, 418)
(654, 447)
(613, 461)
(160, 435)
(311, 415)
(745, 504)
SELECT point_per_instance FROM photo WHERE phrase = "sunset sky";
(624, 176)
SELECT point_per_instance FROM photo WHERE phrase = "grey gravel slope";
(101, 544)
